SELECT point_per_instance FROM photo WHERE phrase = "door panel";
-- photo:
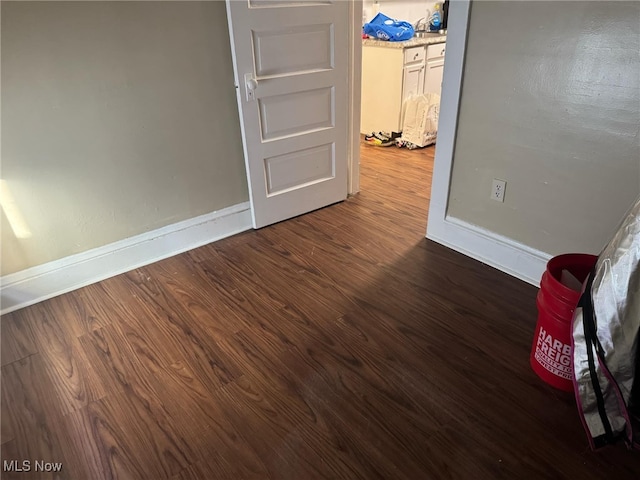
(291, 66)
(307, 47)
(303, 167)
(296, 113)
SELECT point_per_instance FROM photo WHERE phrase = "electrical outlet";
(497, 190)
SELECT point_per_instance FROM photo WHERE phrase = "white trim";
(24, 288)
(458, 23)
(239, 90)
(355, 87)
(500, 252)
(505, 254)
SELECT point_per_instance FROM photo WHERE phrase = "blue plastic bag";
(385, 28)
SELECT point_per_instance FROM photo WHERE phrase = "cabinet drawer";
(413, 54)
(435, 51)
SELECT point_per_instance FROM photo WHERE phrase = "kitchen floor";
(339, 344)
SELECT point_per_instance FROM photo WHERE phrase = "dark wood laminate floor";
(340, 344)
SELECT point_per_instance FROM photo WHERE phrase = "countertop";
(431, 39)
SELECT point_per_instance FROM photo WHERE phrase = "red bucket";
(551, 353)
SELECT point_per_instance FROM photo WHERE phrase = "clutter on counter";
(388, 29)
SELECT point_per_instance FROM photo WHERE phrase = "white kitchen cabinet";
(414, 54)
(434, 68)
(384, 72)
(412, 80)
(390, 74)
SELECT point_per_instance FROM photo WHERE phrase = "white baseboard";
(35, 284)
(500, 252)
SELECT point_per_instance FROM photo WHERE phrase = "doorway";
(391, 73)
(439, 229)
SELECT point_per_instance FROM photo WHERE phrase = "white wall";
(118, 118)
(551, 104)
(408, 10)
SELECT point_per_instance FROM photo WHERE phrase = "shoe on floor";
(380, 139)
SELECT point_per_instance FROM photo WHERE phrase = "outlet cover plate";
(497, 189)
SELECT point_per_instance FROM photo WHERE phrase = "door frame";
(502, 253)
(438, 223)
(448, 119)
(355, 89)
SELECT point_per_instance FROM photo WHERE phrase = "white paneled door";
(291, 65)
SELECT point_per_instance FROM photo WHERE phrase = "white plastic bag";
(420, 119)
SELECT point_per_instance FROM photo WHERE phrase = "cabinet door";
(433, 77)
(412, 84)
(413, 80)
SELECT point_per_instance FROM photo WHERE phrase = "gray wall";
(551, 104)
(117, 118)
